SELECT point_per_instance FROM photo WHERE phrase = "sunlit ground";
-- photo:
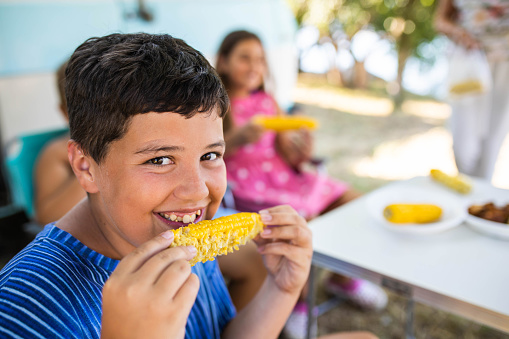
(344, 102)
(414, 156)
(403, 158)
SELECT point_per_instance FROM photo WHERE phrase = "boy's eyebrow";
(217, 144)
(155, 149)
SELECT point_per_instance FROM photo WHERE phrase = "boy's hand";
(151, 292)
(286, 247)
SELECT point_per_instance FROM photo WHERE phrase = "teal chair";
(21, 155)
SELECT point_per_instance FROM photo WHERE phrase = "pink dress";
(260, 178)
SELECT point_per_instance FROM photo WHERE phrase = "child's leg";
(246, 272)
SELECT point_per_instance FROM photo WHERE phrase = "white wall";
(36, 36)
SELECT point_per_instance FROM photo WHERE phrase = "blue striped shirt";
(52, 289)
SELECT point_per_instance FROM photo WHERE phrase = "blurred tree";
(407, 23)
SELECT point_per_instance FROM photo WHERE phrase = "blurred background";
(371, 71)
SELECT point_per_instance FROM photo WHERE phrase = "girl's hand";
(250, 133)
(295, 147)
(286, 247)
(463, 38)
(151, 292)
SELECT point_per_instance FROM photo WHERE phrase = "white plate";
(490, 228)
(453, 211)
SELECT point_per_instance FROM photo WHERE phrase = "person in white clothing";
(479, 124)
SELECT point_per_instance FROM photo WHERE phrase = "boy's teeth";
(187, 218)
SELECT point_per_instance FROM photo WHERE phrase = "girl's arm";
(446, 23)
(295, 147)
(287, 251)
(236, 137)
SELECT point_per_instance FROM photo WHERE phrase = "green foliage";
(406, 22)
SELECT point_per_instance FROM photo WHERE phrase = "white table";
(459, 270)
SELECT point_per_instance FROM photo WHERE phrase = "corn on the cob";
(468, 86)
(286, 122)
(412, 213)
(458, 183)
(219, 236)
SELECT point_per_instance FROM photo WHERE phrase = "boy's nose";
(192, 186)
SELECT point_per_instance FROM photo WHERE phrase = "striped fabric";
(52, 289)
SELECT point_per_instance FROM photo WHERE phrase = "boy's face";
(166, 172)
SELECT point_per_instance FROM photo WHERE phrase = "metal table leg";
(311, 300)
(409, 327)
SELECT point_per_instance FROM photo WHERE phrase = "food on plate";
(285, 122)
(491, 212)
(467, 86)
(458, 183)
(412, 213)
(219, 236)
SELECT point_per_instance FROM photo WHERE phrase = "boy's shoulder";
(48, 283)
(51, 259)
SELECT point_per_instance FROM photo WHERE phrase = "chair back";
(21, 156)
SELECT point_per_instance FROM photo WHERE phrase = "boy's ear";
(83, 166)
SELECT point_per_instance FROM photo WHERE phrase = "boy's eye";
(159, 161)
(210, 156)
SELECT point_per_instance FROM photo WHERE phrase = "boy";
(57, 190)
(145, 115)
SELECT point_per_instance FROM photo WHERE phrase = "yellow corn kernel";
(467, 86)
(286, 122)
(412, 213)
(219, 236)
(458, 183)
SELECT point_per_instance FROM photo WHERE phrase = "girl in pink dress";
(264, 168)
(259, 174)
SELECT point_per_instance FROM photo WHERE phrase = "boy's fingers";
(155, 265)
(186, 295)
(282, 217)
(295, 254)
(139, 255)
(172, 278)
(279, 208)
(296, 234)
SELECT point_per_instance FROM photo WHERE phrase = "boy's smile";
(165, 172)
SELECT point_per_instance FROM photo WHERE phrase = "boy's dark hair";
(110, 79)
(60, 75)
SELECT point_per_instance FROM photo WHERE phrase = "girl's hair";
(225, 49)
